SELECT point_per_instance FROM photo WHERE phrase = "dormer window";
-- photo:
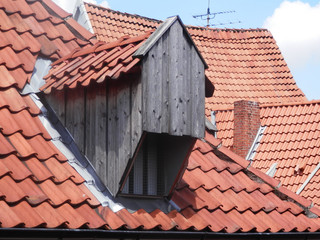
(134, 107)
(154, 168)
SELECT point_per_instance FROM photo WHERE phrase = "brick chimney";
(246, 125)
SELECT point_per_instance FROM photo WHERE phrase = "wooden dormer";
(136, 127)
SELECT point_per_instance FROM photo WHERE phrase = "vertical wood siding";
(173, 84)
(107, 120)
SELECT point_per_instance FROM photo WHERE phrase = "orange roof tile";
(94, 64)
(243, 64)
(291, 139)
(40, 189)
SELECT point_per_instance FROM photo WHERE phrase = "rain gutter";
(8, 233)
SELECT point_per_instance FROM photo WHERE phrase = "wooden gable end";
(173, 82)
(115, 122)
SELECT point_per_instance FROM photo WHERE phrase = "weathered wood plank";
(144, 93)
(174, 79)
(75, 109)
(154, 90)
(136, 113)
(58, 103)
(186, 86)
(112, 154)
(198, 93)
(123, 128)
(90, 127)
(165, 83)
(101, 131)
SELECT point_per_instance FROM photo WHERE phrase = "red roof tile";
(291, 139)
(94, 64)
(243, 64)
(39, 189)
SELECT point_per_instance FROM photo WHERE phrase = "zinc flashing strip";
(255, 144)
(272, 170)
(308, 179)
(83, 18)
(40, 70)
(79, 162)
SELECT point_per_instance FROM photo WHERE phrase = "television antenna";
(209, 16)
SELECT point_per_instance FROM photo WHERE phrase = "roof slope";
(216, 194)
(243, 64)
(94, 64)
(39, 188)
(291, 139)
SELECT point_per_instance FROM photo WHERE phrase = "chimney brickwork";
(246, 125)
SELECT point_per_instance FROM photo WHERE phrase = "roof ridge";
(309, 102)
(267, 105)
(123, 13)
(230, 29)
(187, 26)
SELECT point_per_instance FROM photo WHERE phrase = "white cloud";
(69, 5)
(91, 1)
(296, 28)
(105, 4)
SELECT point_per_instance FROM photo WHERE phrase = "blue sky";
(294, 24)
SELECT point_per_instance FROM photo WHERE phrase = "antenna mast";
(208, 16)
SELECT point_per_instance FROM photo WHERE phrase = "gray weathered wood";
(108, 121)
(96, 132)
(123, 128)
(172, 73)
(58, 103)
(75, 108)
(136, 113)
(165, 54)
(198, 92)
(112, 154)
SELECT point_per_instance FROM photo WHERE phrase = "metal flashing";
(255, 144)
(81, 16)
(41, 69)
(272, 170)
(157, 34)
(210, 126)
(62, 139)
(308, 179)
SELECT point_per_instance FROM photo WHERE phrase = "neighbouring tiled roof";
(291, 139)
(243, 63)
(219, 192)
(94, 63)
(38, 187)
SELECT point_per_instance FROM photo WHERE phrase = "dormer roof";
(43, 185)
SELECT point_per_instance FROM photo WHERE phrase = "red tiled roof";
(243, 64)
(38, 186)
(40, 189)
(291, 139)
(94, 63)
